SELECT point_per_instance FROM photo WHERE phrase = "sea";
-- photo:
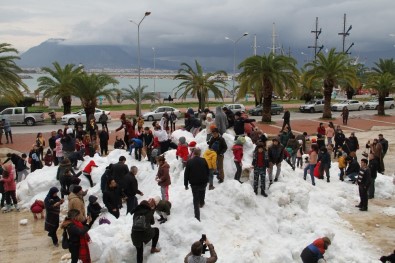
(162, 85)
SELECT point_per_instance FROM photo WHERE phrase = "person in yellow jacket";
(211, 158)
(342, 165)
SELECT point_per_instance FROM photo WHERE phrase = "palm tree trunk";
(267, 101)
(328, 88)
(66, 104)
(380, 107)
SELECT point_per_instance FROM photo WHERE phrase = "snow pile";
(242, 226)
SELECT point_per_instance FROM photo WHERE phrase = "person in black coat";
(131, 189)
(218, 144)
(239, 124)
(119, 171)
(339, 141)
(103, 138)
(230, 117)
(52, 146)
(286, 118)
(276, 156)
(112, 199)
(196, 174)
(107, 175)
(52, 204)
(374, 165)
(325, 158)
(139, 238)
(94, 209)
(363, 181)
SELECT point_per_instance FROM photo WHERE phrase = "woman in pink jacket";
(8, 177)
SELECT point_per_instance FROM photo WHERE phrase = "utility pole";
(274, 38)
(344, 34)
(254, 47)
(317, 33)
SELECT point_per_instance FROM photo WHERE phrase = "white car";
(158, 113)
(235, 107)
(72, 118)
(374, 103)
(350, 104)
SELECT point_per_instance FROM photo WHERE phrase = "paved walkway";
(24, 142)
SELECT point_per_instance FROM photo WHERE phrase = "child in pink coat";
(238, 156)
(8, 177)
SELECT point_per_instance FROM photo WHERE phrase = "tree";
(267, 74)
(331, 69)
(198, 84)
(10, 82)
(383, 66)
(88, 87)
(134, 93)
(60, 84)
(384, 83)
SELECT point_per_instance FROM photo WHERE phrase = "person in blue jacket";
(137, 145)
(314, 253)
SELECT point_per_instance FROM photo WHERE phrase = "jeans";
(293, 158)
(352, 176)
(164, 190)
(278, 165)
(324, 168)
(238, 171)
(311, 168)
(211, 177)
(259, 172)
(137, 152)
(198, 193)
(371, 188)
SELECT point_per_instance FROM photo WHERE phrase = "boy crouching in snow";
(260, 165)
(162, 208)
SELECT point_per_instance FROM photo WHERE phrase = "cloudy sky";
(183, 30)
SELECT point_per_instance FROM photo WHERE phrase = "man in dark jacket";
(286, 118)
(196, 174)
(276, 155)
(131, 189)
(140, 237)
(107, 175)
(119, 171)
(103, 138)
(363, 181)
(239, 124)
(218, 144)
(111, 198)
(339, 141)
(303, 138)
(325, 158)
(68, 143)
(352, 168)
(384, 144)
(52, 146)
(374, 165)
(354, 144)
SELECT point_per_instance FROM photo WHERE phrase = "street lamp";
(138, 57)
(234, 62)
(153, 49)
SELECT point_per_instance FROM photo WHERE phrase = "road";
(21, 129)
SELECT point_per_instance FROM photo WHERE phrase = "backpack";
(139, 224)
(65, 239)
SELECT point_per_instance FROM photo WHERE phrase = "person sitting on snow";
(314, 253)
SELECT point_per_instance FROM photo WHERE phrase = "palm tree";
(88, 87)
(268, 74)
(134, 94)
(383, 66)
(199, 84)
(331, 69)
(384, 83)
(59, 85)
(9, 79)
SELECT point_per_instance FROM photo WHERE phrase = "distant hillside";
(91, 56)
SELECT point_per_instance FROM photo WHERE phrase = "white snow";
(242, 226)
(23, 222)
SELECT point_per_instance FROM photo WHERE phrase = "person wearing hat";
(182, 150)
(238, 156)
(162, 208)
(352, 168)
(94, 209)
(363, 181)
(52, 204)
(314, 253)
(76, 201)
(218, 144)
(78, 237)
(191, 146)
(275, 155)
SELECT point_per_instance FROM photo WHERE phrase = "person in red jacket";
(37, 208)
(314, 252)
(163, 177)
(8, 177)
(321, 130)
(182, 150)
(238, 156)
(88, 170)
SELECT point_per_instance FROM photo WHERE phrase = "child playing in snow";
(211, 158)
(260, 164)
(88, 170)
(182, 150)
(163, 177)
(238, 155)
(48, 158)
(37, 208)
(9, 188)
(162, 208)
(299, 154)
(21, 168)
(93, 209)
(342, 165)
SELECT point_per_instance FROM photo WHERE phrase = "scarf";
(84, 256)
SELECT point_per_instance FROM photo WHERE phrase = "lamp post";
(153, 50)
(138, 58)
(234, 62)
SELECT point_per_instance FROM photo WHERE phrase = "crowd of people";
(119, 185)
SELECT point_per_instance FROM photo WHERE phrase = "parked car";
(350, 104)
(312, 106)
(72, 118)
(275, 110)
(389, 103)
(158, 113)
(235, 107)
(21, 115)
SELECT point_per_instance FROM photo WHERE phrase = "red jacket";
(37, 207)
(163, 175)
(156, 143)
(182, 151)
(237, 152)
(321, 130)
(88, 168)
(319, 243)
(9, 182)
